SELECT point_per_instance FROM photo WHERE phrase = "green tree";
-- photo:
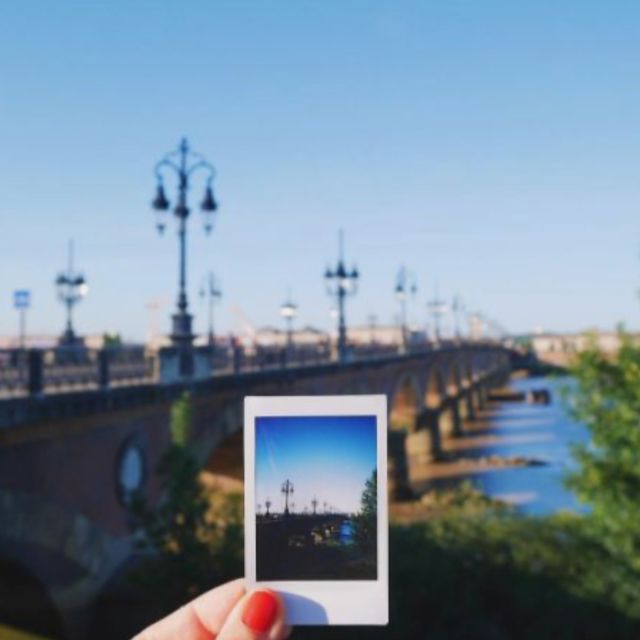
(366, 521)
(607, 401)
(191, 538)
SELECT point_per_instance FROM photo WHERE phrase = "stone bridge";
(66, 458)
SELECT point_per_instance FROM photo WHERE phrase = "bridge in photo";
(76, 436)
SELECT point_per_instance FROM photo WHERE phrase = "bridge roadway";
(65, 458)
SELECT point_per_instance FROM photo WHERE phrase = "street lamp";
(373, 320)
(71, 287)
(341, 283)
(183, 163)
(210, 291)
(476, 325)
(437, 308)
(289, 310)
(458, 310)
(406, 285)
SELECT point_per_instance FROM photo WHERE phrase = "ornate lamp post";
(183, 163)
(71, 287)
(437, 308)
(289, 310)
(287, 489)
(210, 291)
(341, 283)
(476, 325)
(314, 504)
(457, 307)
(373, 321)
(406, 285)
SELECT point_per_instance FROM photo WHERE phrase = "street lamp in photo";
(406, 286)
(71, 288)
(289, 310)
(210, 292)
(340, 284)
(287, 490)
(183, 164)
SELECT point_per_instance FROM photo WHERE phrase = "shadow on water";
(549, 432)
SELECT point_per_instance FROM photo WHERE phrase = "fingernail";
(261, 611)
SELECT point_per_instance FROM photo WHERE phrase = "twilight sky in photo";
(327, 457)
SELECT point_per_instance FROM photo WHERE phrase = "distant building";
(559, 348)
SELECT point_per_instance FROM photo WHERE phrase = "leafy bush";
(607, 401)
(192, 539)
(501, 576)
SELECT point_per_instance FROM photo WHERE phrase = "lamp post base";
(182, 338)
(70, 339)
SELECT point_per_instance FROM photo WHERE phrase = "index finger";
(200, 619)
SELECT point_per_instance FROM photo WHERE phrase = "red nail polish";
(261, 611)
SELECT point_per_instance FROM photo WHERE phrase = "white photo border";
(318, 602)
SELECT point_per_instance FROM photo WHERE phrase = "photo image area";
(316, 498)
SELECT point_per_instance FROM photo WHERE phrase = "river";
(543, 432)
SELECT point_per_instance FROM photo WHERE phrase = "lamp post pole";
(288, 311)
(211, 292)
(437, 308)
(72, 287)
(341, 283)
(458, 309)
(183, 163)
(406, 285)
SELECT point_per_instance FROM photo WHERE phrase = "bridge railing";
(65, 369)
(35, 371)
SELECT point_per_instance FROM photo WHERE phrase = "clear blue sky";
(493, 147)
(326, 457)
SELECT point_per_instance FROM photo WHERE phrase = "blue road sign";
(21, 298)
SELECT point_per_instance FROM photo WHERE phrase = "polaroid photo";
(316, 523)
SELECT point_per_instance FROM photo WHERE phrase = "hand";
(225, 613)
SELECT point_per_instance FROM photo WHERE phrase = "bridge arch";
(453, 379)
(25, 602)
(405, 404)
(435, 389)
(477, 366)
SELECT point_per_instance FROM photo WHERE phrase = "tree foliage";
(366, 521)
(607, 401)
(192, 538)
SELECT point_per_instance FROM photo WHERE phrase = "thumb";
(259, 615)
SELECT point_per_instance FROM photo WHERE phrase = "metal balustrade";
(60, 370)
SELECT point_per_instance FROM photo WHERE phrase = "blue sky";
(493, 148)
(329, 458)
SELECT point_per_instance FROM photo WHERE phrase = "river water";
(543, 432)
